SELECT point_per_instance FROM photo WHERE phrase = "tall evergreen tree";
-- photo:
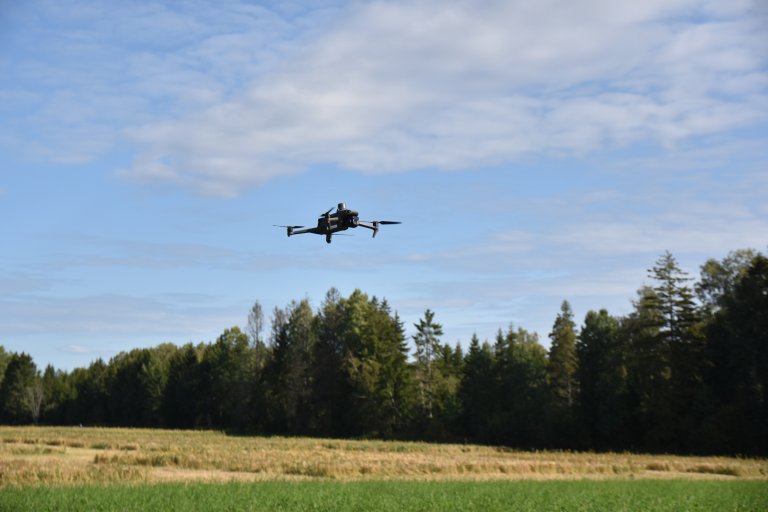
(375, 366)
(603, 381)
(522, 394)
(330, 392)
(427, 341)
(563, 363)
(476, 390)
(180, 405)
(673, 300)
(684, 335)
(667, 356)
(136, 387)
(225, 382)
(291, 368)
(90, 405)
(58, 393)
(649, 374)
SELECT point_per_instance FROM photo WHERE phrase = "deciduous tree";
(20, 396)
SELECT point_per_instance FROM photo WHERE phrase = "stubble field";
(111, 469)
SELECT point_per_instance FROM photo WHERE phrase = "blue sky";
(535, 151)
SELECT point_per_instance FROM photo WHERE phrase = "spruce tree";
(427, 341)
(602, 377)
(477, 390)
(563, 363)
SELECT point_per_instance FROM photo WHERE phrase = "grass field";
(44, 468)
(522, 496)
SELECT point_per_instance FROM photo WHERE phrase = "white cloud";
(85, 71)
(221, 97)
(393, 87)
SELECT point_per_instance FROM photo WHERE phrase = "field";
(129, 469)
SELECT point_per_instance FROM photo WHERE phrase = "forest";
(686, 371)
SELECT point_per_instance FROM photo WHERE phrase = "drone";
(342, 219)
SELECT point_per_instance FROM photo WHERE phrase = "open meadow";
(58, 468)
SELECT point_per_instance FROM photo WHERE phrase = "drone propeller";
(288, 229)
(376, 223)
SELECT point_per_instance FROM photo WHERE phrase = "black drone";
(342, 219)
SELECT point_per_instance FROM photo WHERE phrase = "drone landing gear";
(328, 238)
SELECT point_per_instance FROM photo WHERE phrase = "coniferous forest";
(685, 371)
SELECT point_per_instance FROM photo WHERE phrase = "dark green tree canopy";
(563, 362)
(673, 375)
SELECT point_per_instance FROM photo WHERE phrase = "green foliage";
(427, 341)
(602, 376)
(20, 391)
(476, 390)
(521, 394)
(57, 392)
(673, 375)
(739, 351)
(563, 363)
(180, 407)
(5, 358)
(719, 278)
(224, 377)
(672, 301)
(91, 399)
(137, 385)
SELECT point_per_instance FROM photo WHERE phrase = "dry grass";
(44, 456)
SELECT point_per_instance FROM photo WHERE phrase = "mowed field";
(109, 469)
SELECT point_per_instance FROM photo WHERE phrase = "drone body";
(342, 219)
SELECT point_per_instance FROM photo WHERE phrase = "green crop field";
(614, 496)
(44, 468)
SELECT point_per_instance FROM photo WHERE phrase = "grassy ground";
(140, 469)
(65, 456)
(613, 496)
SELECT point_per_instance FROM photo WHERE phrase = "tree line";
(685, 371)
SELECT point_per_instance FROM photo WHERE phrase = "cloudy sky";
(535, 151)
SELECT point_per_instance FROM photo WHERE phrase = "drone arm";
(374, 226)
(302, 231)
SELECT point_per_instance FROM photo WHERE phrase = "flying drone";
(342, 219)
